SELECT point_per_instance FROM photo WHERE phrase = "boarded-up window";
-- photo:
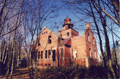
(74, 53)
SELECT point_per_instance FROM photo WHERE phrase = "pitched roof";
(63, 42)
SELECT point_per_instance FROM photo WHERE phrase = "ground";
(74, 72)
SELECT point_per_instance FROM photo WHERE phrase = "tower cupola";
(67, 22)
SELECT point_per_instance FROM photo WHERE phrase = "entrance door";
(54, 55)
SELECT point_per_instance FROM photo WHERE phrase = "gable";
(46, 32)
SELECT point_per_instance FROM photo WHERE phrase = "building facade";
(65, 48)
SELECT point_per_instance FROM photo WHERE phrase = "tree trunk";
(3, 54)
(8, 64)
(104, 60)
(103, 20)
(13, 53)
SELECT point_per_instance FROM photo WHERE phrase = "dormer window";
(49, 39)
(67, 33)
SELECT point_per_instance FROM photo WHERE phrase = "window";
(61, 52)
(49, 53)
(68, 26)
(49, 39)
(74, 53)
(67, 33)
(45, 64)
(90, 51)
(48, 64)
(41, 54)
(41, 64)
(39, 42)
(42, 33)
(54, 55)
(46, 31)
(46, 54)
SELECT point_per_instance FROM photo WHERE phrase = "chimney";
(88, 25)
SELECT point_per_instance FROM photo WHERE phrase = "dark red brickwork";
(65, 48)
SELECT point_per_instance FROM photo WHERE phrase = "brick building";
(65, 48)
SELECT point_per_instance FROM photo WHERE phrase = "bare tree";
(100, 11)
